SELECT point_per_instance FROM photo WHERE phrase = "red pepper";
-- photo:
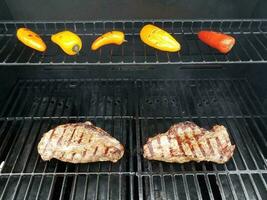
(222, 42)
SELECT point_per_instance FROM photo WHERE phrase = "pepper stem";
(76, 48)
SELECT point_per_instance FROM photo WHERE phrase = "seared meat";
(185, 142)
(79, 143)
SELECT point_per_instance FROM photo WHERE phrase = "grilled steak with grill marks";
(79, 143)
(186, 141)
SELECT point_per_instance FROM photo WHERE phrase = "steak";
(185, 142)
(79, 143)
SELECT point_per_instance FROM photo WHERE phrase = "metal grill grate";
(132, 110)
(207, 186)
(67, 187)
(70, 98)
(250, 48)
(198, 98)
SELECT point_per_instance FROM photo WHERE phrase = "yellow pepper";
(113, 37)
(69, 42)
(159, 39)
(31, 39)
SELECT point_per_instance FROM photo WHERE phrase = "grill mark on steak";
(210, 146)
(170, 147)
(73, 132)
(220, 149)
(199, 145)
(179, 142)
(60, 138)
(150, 147)
(159, 143)
(68, 143)
(95, 150)
(84, 153)
(218, 142)
(188, 141)
(106, 150)
(81, 137)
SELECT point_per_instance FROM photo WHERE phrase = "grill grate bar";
(85, 186)
(183, 171)
(88, 117)
(186, 187)
(74, 185)
(63, 187)
(198, 189)
(108, 188)
(219, 182)
(232, 187)
(209, 187)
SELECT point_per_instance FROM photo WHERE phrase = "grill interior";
(132, 110)
(250, 34)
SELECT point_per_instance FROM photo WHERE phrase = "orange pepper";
(31, 39)
(113, 37)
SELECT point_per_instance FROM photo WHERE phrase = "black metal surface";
(198, 98)
(251, 46)
(132, 110)
(76, 97)
(138, 9)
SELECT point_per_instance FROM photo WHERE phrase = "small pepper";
(69, 42)
(113, 37)
(159, 39)
(222, 42)
(31, 39)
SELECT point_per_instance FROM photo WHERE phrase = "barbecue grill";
(133, 92)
